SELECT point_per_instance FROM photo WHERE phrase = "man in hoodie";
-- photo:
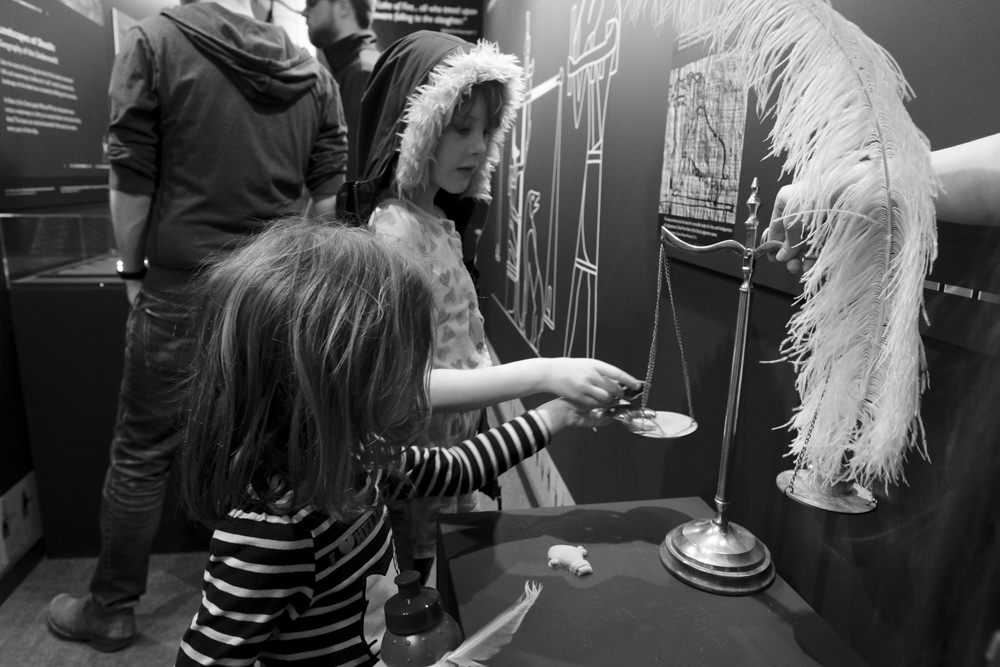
(341, 30)
(219, 124)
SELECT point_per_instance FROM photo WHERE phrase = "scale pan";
(659, 424)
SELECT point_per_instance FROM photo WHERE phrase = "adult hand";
(794, 207)
(132, 289)
(787, 228)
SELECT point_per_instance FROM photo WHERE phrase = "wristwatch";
(129, 275)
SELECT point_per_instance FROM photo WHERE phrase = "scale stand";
(717, 555)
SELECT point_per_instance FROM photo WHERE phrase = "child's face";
(462, 148)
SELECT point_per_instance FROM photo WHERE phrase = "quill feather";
(484, 643)
(837, 98)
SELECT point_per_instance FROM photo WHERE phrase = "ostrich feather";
(496, 634)
(865, 188)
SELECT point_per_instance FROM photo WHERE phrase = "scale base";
(843, 497)
(722, 558)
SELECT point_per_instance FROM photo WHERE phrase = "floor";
(162, 615)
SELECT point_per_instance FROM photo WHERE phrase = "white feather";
(496, 634)
(837, 99)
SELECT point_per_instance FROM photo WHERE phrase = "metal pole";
(739, 355)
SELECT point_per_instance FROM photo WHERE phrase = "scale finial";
(753, 201)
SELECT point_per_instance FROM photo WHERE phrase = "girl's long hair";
(311, 370)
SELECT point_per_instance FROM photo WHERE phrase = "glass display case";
(48, 249)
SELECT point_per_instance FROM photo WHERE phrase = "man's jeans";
(158, 351)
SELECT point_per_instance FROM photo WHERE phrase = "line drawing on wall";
(593, 60)
(530, 294)
(703, 148)
(530, 281)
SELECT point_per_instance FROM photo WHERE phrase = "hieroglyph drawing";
(703, 146)
(530, 290)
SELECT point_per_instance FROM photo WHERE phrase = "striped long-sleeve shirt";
(307, 589)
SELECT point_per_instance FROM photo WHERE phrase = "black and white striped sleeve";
(260, 570)
(449, 471)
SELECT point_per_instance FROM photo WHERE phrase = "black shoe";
(82, 620)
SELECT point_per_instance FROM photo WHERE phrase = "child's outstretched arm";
(469, 465)
(588, 382)
(561, 413)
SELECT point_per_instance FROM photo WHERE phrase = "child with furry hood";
(420, 92)
(433, 119)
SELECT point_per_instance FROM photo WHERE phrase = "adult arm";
(328, 157)
(970, 182)
(133, 151)
(130, 219)
(970, 195)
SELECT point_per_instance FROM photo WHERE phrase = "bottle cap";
(414, 608)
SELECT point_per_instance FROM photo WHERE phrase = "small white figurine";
(571, 558)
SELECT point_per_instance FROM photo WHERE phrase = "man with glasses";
(341, 30)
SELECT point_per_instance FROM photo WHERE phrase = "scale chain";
(664, 268)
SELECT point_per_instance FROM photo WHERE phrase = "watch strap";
(129, 275)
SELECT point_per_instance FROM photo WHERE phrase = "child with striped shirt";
(313, 374)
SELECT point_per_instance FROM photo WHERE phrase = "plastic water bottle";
(418, 630)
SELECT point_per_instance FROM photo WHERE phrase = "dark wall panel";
(856, 571)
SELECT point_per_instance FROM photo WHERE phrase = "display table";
(631, 610)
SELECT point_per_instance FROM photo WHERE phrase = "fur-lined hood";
(410, 99)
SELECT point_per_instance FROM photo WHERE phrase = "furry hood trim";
(430, 108)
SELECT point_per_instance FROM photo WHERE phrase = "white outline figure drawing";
(593, 60)
(530, 281)
(529, 298)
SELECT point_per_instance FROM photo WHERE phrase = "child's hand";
(589, 383)
(560, 413)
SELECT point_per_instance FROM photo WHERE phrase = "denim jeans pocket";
(167, 332)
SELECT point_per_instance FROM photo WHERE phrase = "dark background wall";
(856, 571)
(14, 443)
